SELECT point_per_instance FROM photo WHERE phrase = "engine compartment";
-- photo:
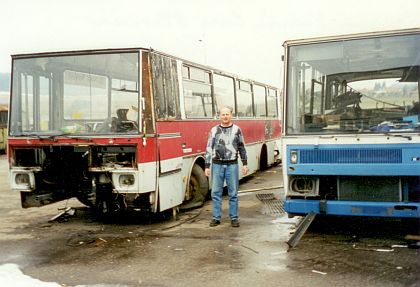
(82, 171)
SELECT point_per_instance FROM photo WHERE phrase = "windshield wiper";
(53, 136)
(71, 136)
(398, 135)
(37, 136)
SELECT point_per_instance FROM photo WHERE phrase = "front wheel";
(198, 188)
(88, 198)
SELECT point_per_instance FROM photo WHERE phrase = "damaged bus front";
(76, 131)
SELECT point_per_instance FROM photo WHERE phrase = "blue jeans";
(220, 173)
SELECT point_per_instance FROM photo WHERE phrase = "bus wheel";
(88, 198)
(199, 187)
(263, 158)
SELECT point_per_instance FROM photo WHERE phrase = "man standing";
(224, 143)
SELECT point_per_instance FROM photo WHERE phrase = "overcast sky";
(244, 37)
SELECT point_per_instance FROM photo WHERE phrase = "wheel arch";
(200, 161)
(197, 184)
(263, 159)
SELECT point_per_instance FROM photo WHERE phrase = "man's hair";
(226, 107)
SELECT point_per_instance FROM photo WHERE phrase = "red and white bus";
(127, 128)
(3, 128)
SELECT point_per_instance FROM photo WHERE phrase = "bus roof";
(315, 40)
(126, 50)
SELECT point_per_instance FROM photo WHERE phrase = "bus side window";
(165, 87)
(272, 103)
(198, 102)
(244, 99)
(224, 92)
(259, 101)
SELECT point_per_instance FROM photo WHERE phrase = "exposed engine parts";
(84, 172)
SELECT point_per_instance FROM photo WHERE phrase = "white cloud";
(243, 37)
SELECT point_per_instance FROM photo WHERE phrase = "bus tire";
(199, 187)
(88, 198)
(263, 158)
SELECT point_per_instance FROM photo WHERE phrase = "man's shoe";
(214, 222)
(234, 223)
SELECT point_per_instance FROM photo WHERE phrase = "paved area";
(157, 251)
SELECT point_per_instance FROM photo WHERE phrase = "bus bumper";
(353, 208)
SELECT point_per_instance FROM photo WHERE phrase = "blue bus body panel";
(364, 160)
(353, 208)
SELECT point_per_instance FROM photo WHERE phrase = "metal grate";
(351, 156)
(271, 205)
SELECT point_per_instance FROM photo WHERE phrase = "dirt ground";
(133, 250)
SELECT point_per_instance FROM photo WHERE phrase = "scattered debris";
(64, 214)
(261, 188)
(249, 248)
(384, 250)
(99, 241)
(319, 272)
(373, 249)
(191, 217)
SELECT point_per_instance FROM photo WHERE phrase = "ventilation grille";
(351, 156)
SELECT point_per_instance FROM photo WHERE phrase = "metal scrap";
(66, 212)
(301, 229)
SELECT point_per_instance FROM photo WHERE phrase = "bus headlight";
(22, 180)
(304, 185)
(293, 156)
(126, 179)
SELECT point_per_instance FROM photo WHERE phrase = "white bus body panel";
(170, 183)
(147, 177)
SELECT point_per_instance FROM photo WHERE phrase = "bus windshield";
(75, 94)
(354, 85)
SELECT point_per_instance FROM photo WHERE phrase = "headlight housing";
(125, 180)
(293, 156)
(22, 180)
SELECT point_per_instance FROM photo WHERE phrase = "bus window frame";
(207, 82)
(240, 90)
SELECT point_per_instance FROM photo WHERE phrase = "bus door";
(166, 97)
(170, 167)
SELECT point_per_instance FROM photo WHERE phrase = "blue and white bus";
(351, 137)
